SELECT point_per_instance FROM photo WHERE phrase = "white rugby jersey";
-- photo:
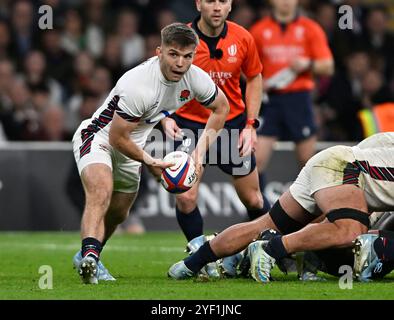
(143, 95)
(375, 170)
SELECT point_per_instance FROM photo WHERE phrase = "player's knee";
(350, 224)
(186, 202)
(100, 196)
(345, 236)
(253, 200)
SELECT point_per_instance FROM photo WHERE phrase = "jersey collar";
(210, 41)
(282, 25)
(203, 36)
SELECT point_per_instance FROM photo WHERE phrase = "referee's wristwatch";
(255, 123)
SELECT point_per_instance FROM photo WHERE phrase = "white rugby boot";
(179, 271)
(88, 270)
(103, 273)
(261, 263)
(365, 257)
(210, 270)
(228, 266)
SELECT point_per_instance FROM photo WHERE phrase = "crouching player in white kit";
(108, 148)
(343, 184)
(372, 255)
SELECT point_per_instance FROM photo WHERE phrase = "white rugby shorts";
(95, 148)
(325, 169)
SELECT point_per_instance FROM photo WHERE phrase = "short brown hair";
(179, 34)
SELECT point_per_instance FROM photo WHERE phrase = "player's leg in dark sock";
(384, 248)
(91, 247)
(255, 213)
(200, 258)
(333, 258)
(275, 248)
(190, 223)
(262, 182)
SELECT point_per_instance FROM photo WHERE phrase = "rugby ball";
(182, 175)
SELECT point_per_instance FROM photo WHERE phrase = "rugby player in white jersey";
(108, 148)
(341, 184)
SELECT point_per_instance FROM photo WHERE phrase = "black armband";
(349, 213)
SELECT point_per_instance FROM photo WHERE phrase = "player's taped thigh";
(283, 221)
(349, 213)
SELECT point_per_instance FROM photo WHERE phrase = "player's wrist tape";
(349, 213)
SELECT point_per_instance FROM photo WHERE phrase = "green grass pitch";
(140, 264)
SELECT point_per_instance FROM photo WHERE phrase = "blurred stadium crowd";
(52, 79)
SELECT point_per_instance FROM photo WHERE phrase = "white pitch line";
(67, 247)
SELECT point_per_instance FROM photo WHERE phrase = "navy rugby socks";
(276, 249)
(255, 213)
(262, 182)
(91, 247)
(384, 248)
(191, 223)
(200, 258)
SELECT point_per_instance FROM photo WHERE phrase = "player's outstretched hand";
(157, 167)
(171, 129)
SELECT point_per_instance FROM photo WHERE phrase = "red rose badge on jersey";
(185, 94)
